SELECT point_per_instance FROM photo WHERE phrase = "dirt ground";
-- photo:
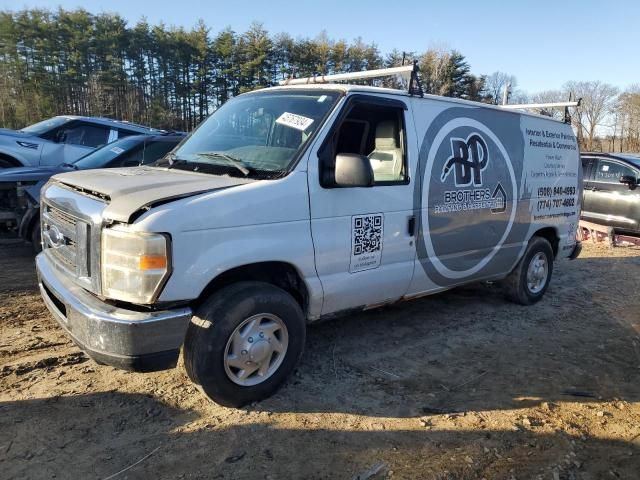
(455, 386)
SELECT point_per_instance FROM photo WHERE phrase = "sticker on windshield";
(117, 150)
(294, 121)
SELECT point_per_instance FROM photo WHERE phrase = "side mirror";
(629, 180)
(353, 171)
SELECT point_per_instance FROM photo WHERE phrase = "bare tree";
(628, 119)
(434, 66)
(496, 83)
(550, 96)
(598, 102)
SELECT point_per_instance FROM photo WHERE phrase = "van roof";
(349, 88)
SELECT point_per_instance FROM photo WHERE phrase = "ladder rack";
(404, 71)
(524, 106)
(407, 72)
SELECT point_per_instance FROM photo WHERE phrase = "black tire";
(216, 320)
(516, 285)
(36, 237)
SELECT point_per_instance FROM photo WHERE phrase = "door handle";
(411, 227)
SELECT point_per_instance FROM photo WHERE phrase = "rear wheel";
(243, 342)
(528, 282)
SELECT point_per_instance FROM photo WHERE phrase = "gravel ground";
(455, 386)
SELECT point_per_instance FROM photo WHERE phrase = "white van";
(297, 203)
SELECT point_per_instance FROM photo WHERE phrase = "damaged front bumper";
(128, 339)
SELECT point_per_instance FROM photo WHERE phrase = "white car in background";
(61, 139)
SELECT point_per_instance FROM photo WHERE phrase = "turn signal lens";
(152, 262)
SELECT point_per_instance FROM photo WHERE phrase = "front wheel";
(528, 282)
(244, 342)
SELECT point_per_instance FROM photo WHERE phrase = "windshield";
(45, 125)
(257, 132)
(100, 157)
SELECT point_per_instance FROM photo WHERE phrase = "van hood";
(127, 190)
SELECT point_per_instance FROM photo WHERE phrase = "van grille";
(71, 225)
(65, 237)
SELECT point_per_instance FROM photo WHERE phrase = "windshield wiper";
(171, 159)
(176, 162)
(231, 160)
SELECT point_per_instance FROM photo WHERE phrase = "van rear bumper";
(127, 339)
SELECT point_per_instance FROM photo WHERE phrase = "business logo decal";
(469, 189)
(56, 237)
(469, 158)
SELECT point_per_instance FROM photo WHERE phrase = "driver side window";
(377, 132)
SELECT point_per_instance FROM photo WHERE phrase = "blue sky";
(543, 43)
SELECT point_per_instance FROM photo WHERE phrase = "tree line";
(76, 62)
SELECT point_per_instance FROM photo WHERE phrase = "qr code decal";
(367, 237)
(367, 234)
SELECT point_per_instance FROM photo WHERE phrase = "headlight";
(134, 264)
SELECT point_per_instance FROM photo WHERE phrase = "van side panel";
(483, 176)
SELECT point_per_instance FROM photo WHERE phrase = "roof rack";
(565, 105)
(524, 106)
(409, 72)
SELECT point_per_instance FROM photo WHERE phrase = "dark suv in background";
(20, 187)
(611, 193)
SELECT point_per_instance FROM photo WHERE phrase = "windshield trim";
(302, 151)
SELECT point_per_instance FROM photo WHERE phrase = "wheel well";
(10, 160)
(280, 274)
(550, 234)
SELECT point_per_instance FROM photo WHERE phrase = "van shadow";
(469, 349)
(99, 435)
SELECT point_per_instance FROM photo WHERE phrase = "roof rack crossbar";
(524, 106)
(405, 71)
